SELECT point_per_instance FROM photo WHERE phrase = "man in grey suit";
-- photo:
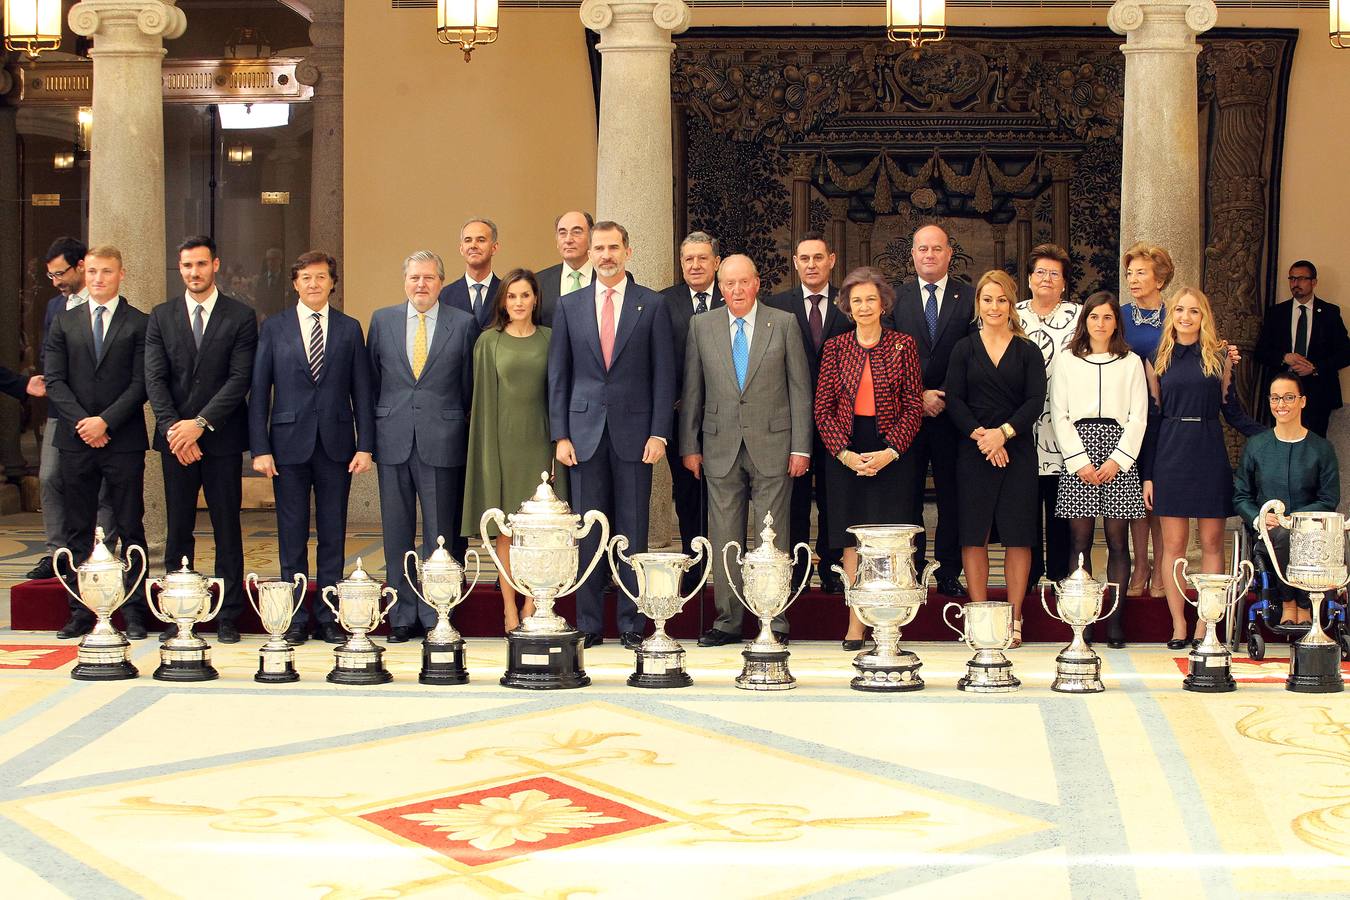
(747, 393)
(421, 355)
(573, 232)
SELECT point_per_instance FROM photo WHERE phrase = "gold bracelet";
(1008, 431)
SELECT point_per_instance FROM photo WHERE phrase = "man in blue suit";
(476, 291)
(611, 385)
(421, 360)
(312, 427)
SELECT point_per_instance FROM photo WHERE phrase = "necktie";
(930, 311)
(816, 320)
(740, 353)
(99, 310)
(1301, 341)
(702, 305)
(576, 281)
(316, 347)
(197, 327)
(477, 299)
(419, 359)
(607, 327)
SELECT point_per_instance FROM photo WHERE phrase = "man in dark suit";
(818, 319)
(421, 362)
(1306, 334)
(270, 292)
(312, 427)
(96, 378)
(611, 386)
(476, 292)
(573, 231)
(936, 310)
(698, 293)
(199, 349)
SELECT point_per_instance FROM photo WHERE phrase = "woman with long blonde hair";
(1185, 463)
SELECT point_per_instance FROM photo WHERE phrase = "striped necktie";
(316, 347)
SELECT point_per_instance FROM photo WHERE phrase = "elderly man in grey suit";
(421, 354)
(747, 392)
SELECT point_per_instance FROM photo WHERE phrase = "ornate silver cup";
(1211, 663)
(442, 582)
(276, 603)
(104, 653)
(660, 658)
(360, 660)
(886, 593)
(546, 653)
(1316, 565)
(766, 579)
(184, 600)
(1078, 668)
(989, 632)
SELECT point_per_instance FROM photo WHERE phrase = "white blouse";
(1099, 386)
(1052, 335)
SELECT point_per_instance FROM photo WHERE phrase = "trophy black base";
(1315, 669)
(364, 666)
(1210, 673)
(660, 669)
(891, 674)
(1078, 675)
(765, 671)
(276, 666)
(110, 663)
(191, 664)
(989, 677)
(545, 662)
(443, 664)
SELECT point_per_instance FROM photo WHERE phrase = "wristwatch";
(1008, 431)
(202, 424)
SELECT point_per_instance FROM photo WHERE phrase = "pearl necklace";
(1153, 321)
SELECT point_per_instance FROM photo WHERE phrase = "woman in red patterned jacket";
(869, 402)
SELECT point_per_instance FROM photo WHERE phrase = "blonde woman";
(1185, 463)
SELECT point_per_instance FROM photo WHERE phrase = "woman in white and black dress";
(1099, 407)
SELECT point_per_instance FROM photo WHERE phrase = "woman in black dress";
(995, 390)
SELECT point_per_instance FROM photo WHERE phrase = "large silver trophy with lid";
(766, 580)
(276, 603)
(1078, 668)
(1211, 663)
(360, 660)
(989, 632)
(886, 593)
(442, 589)
(660, 658)
(104, 653)
(184, 599)
(1316, 565)
(545, 651)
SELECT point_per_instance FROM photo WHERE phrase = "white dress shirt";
(618, 289)
(587, 273)
(307, 324)
(208, 306)
(74, 300)
(941, 292)
(1293, 323)
(693, 297)
(410, 332)
(487, 294)
(110, 306)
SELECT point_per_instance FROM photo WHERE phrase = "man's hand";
(361, 462)
(653, 450)
(183, 432)
(187, 454)
(1110, 469)
(798, 465)
(1300, 364)
(37, 386)
(694, 463)
(934, 402)
(565, 453)
(92, 429)
(265, 465)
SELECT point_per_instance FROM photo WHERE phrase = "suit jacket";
(13, 383)
(184, 382)
(1328, 350)
(681, 314)
(456, 294)
(635, 397)
(772, 416)
(113, 387)
(897, 389)
(55, 306)
(432, 410)
(290, 410)
(955, 321)
(835, 323)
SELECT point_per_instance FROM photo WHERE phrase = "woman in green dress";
(508, 427)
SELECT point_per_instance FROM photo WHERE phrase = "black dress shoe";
(853, 646)
(631, 640)
(716, 637)
(295, 635)
(76, 627)
(226, 633)
(782, 637)
(332, 634)
(950, 587)
(592, 639)
(831, 585)
(43, 569)
(399, 634)
(136, 631)
(1116, 643)
(168, 634)
(1178, 643)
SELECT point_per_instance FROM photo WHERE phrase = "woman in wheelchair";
(1292, 464)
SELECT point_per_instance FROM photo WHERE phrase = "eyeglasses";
(1047, 273)
(1301, 278)
(1284, 399)
(55, 275)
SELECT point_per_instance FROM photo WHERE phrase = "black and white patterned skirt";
(1120, 498)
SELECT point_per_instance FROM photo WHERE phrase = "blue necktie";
(98, 331)
(740, 353)
(930, 311)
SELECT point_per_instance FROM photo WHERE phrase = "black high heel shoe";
(1178, 643)
(853, 645)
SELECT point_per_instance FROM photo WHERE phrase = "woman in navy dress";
(1185, 463)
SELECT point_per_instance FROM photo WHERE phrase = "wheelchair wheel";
(1256, 646)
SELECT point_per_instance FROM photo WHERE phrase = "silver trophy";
(1211, 663)
(1078, 668)
(184, 600)
(989, 632)
(1316, 565)
(104, 653)
(886, 593)
(442, 582)
(360, 660)
(766, 579)
(660, 658)
(276, 603)
(546, 653)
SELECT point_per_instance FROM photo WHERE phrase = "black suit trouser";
(622, 490)
(936, 445)
(690, 508)
(440, 489)
(804, 489)
(85, 472)
(1050, 554)
(330, 484)
(221, 479)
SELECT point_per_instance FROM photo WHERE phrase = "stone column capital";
(129, 23)
(1161, 24)
(635, 24)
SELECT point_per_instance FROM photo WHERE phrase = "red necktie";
(607, 327)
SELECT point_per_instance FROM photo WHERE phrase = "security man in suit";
(421, 361)
(312, 427)
(476, 291)
(199, 349)
(96, 378)
(745, 422)
(573, 232)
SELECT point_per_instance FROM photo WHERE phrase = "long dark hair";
(1081, 345)
(500, 317)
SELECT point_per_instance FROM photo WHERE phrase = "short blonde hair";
(1004, 281)
(1163, 269)
(105, 251)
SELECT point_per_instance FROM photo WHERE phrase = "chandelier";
(32, 26)
(917, 22)
(467, 23)
(1340, 24)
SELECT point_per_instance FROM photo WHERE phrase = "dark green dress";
(508, 427)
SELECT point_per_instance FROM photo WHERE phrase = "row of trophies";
(545, 652)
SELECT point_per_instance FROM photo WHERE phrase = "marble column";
(802, 165)
(322, 70)
(11, 294)
(1161, 128)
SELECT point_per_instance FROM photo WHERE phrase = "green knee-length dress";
(508, 425)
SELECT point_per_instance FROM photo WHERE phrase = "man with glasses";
(1305, 335)
(572, 230)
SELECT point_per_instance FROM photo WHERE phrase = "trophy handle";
(1246, 574)
(417, 572)
(702, 553)
(806, 576)
(1044, 604)
(617, 545)
(928, 570)
(1276, 506)
(498, 518)
(843, 576)
(587, 522)
(393, 598)
(252, 579)
(477, 572)
(731, 582)
(301, 582)
(70, 564)
(1113, 605)
(153, 602)
(1180, 565)
(136, 583)
(960, 632)
(220, 598)
(323, 595)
